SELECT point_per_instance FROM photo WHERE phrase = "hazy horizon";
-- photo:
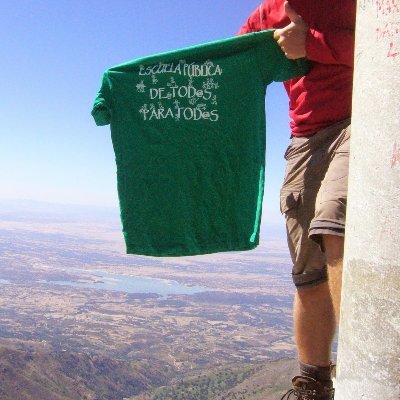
(270, 225)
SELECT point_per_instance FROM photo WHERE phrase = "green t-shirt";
(188, 131)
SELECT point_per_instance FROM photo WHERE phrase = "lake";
(132, 284)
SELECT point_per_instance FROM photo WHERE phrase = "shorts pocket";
(289, 202)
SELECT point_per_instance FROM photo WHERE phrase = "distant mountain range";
(22, 209)
(25, 209)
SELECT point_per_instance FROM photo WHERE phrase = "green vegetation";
(201, 387)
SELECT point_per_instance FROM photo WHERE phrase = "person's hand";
(292, 38)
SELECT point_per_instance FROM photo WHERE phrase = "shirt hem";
(130, 249)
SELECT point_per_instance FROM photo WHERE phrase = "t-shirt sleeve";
(102, 107)
(275, 66)
(253, 23)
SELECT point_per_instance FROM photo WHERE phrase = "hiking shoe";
(309, 389)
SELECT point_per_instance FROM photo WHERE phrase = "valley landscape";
(82, 320)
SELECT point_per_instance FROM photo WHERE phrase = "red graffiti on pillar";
(392, 51)
(390, 33)
(395, 156)
(387, 7)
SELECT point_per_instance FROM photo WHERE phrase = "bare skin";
(334, 246)
(317, 309)
(292, 38)
(314, 325)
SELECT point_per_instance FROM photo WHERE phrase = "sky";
(53, 54)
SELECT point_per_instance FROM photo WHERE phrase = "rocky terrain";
(80, 318)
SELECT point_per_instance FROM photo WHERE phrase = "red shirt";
(323, 96)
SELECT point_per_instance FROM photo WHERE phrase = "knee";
(312, 294)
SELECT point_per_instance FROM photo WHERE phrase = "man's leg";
(334, 255)
(316, 165)
(317, 309)
(314, 325)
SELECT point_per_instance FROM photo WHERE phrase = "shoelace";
(286, 396)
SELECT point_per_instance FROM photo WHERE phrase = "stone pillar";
(369, 336)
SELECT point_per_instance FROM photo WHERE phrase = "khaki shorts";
(313, 198)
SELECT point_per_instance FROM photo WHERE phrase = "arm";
(253, 24)
(298, 40)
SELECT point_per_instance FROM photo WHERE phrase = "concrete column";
(369, 336)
